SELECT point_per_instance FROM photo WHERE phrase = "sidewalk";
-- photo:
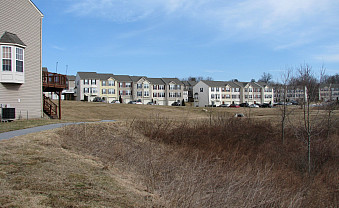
(11, 134)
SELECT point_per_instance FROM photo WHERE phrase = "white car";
(254, 106)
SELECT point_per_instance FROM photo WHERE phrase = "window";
(111, 91)
(111, 83)
(86, 90)
(146, 86)
(217, 89)
(139, 93)
(161, 87)
(93, 90)
(128, 84)
(228, 89)
(201, 89)
(212, 89)
(154, 87)
(245, 89)
(103, 83)
(172, 87)
(104, 91)
(128, 92)
(6, 58)
(94, 82)
(212, 96)
(86, 81)
(19, 60)
(120, 84)
(228, 96)
(250, 89)
(155, 94)
(178, 87)
(139, 86)
(146, 93)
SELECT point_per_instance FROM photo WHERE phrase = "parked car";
(244, 105)
(224, 105)
(254, 106)
(176, 104)
(234, 106)
(266, 105)
(115, 101)
(150, 103)
(294, 102)
(132, 102)
(98, 99)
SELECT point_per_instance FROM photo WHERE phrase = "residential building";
(69, 92)
(174, 89)
(108, 87)
(141, 89)
(188, 90)
(87, 86)
(329, 92)
(125, 87)
(293, 93)
(214, 93)
(20, 55)
(158, 90)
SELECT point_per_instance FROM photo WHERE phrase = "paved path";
(10, 134)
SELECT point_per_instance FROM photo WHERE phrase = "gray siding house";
(20, 55)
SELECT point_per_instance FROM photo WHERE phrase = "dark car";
(244, 105)
(176, 104)
(266, 105)
(98, 99)
(234, 106)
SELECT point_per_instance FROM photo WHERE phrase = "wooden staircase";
(50, 108)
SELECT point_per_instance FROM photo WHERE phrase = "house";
(174, 89)
(87, 84)
(20, 55)
(214, 93)
(329, 92)
(293, 93)
(188, 90)
(141, 89)
(108, 87)
(125, 89)
(69, 92)
(158, 91)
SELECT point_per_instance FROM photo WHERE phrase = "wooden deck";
(53, 82)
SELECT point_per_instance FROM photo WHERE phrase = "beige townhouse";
(174, 89)
(141, 89)
(158, 91)
(108, 88)
(329, 92)
(20, 55)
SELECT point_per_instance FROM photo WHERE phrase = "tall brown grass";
(222, 162)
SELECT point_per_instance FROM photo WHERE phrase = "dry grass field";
(161, 156)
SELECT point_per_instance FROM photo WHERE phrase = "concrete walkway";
(11, 134)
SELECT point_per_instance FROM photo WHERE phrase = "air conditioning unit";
(8, 114)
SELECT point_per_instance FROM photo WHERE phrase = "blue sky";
(222, 39)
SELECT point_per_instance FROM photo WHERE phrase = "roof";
(8, 37)
(215, 83)
(189, 83)
(42, 15)
(122, 78)
(136, 78)
(70, 77)
(156, 81)
(104, 76)
(87, 75)
(175, 80)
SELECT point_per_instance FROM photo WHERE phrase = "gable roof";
(122, 78)
(12, 38)
(156, 81)
(70, 77)
(175, 80)
(87, 75)
(104, 76)
(214, 83)
(42, 15)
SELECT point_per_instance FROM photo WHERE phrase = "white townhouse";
(87, 86)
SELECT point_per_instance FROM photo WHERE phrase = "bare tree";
(284, 111)
(266, 77)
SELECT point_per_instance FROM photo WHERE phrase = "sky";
(221, 39)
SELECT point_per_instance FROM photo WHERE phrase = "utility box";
(8, 114)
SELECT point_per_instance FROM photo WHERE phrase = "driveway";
(11, 134)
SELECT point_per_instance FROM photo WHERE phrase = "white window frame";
(12, 75)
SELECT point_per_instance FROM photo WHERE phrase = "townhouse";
(213, 93)
(293, 93)
(188, 90)
(329, 92)
(20, 55)
(109, 87)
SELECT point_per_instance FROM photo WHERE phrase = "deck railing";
(54, 80)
